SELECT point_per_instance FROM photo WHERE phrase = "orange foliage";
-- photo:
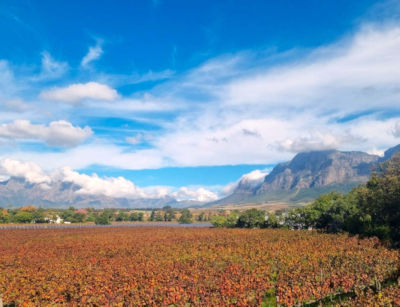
(150, 266)
(29, 208)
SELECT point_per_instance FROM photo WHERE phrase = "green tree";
(218, 221)
(158, 217)
(103, 218)
(251, 218)
(140, 216)
(186, 217)
(271, 221)
(134, 216)
(91, 217)
(380, 201)
(78, 217)
(110, 214)
(169, 214)
(23, 217)
(341, 214)
(38, 216)
(152, 216)
(67, 215)
(232, 219)
(201, 217)
(122, 217)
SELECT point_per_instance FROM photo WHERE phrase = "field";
(150, 266)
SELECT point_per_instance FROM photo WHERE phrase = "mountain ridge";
(301, 179)
(18, 192)
(308, 175)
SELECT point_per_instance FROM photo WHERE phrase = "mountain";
(302, 179)
(389, 153)
(58, 194)
(308, 175)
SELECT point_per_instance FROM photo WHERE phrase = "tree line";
(166, 214)
(31, 214)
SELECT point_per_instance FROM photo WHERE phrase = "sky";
(154, 97)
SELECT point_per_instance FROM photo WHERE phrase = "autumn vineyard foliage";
(150, 266)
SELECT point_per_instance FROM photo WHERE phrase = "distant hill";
(58, 194)
(308, 175)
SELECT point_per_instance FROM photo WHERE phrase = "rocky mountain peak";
(309, 174)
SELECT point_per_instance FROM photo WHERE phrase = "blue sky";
(192, 94)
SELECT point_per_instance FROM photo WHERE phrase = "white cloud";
(250, 107)
(396, 130)
(116, 187)
(7, 80)
(93, 54)
(120, 187)
(80, 91)
(376, 152)
(297, 106)
(57, 133)
(15, 105)
(135, 140)
(316, 141)
(51, 69)
(149, 76)
(229, 188)
(94, 185)
(355, 70)
(199, 194)
(254, 177)
(249, 180)
(94, 153)
(29, 171)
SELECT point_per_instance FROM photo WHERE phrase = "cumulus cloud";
(199, 194)
(120, 187)
(115, 187)
(254, 177)
(249, 180)
(29, 171)
(93, 54)
(80, 91)
(94, 185)
(57, 133)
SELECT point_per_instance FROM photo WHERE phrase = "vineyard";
(149, 266)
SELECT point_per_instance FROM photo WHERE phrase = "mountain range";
(308, 175)
(300, 180)
(19, 192)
